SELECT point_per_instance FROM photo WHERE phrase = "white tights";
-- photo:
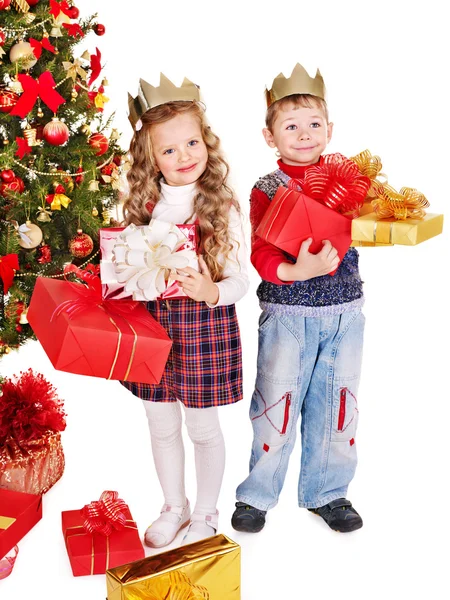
(164, 419)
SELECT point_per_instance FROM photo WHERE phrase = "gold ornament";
(44, 215)
(74, 94)
(30, 135)
(23, 317)
(40, 112)
(115, 135)
(24, 52)
(298, 83)
(106, 217)
(45, 34)
(105, 82)
(7, 350)
(94, 212)
(5, 141)
(86, 55)
(93, 186)
(21, 5)
(148, 96)
(85, 129)
(31, 235)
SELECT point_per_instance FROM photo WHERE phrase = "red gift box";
(96, 340)
(293, 217)
(18, 514)
(112, 289)
(94, 553)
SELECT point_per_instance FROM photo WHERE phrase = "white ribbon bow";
(146, 258)
(25, 239)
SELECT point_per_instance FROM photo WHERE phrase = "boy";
(310, 335)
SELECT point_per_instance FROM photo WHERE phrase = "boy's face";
(300, 134)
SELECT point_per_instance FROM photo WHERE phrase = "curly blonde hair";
(213, 200)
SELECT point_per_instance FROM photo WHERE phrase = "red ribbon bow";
(43, 88)
(38, 45)
(8, 264)
(22, 147)
(95, 66)
(73, 29)
(57, 7)
(338, 184)
(90, 295)
(105, 515)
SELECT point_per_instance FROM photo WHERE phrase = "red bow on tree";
(338, 184)
(22, 147)
(8, 264)
(73, 29)
(95, 66)
(43, 88)
(57, 7)
(38, 45)
(105, 515)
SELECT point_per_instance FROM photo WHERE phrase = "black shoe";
(339, 515)
(248, 518)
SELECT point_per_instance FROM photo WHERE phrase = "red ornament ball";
(2, 37)
(8, 100)
(4, 4)
(81, 245)
(8, 175)
(99, 142)
(73, 12)
(32, 2)
(79, 178)
(56, 132)
(16, 185)
(99, 29)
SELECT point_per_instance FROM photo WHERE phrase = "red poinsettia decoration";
(337, 182)
(29, 408)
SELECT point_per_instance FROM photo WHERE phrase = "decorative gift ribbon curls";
(106, 514)
(387, 203)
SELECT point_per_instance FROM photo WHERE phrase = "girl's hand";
(198, 285)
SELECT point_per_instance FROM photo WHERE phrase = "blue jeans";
(307, 365)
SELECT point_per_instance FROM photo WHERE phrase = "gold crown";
(148, 96)
(298, 83)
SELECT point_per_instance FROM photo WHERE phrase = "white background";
(386, 68)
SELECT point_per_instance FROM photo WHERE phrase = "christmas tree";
(59, 157)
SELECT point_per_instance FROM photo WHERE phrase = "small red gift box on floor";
(293, 217)
(83, 334)
(138, 262)
(101, 535)
(18, 514)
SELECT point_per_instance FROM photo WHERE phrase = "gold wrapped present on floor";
(206, 570)
(369, 229)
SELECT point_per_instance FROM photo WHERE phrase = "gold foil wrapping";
(206, 570)
(369, 230)
(32, 467)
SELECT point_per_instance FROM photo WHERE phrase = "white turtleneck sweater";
(176, 205)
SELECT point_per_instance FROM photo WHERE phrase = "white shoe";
(201, 527)
(164, 530)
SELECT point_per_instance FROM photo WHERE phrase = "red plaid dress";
(204, 368)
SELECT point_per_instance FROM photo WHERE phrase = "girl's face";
(179, 150)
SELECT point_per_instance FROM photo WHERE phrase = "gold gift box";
(369, 230)
(206, 570)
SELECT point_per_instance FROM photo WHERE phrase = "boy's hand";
(198, 285)
(310, 265)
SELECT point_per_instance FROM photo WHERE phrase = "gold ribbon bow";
(74, 69)
(113, 179)
(174, 585)
(370, 166)
(100, 100)
(409, 203)
(58, 200)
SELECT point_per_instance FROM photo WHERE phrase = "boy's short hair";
(306, 100)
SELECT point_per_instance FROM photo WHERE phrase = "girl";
(178, 174)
